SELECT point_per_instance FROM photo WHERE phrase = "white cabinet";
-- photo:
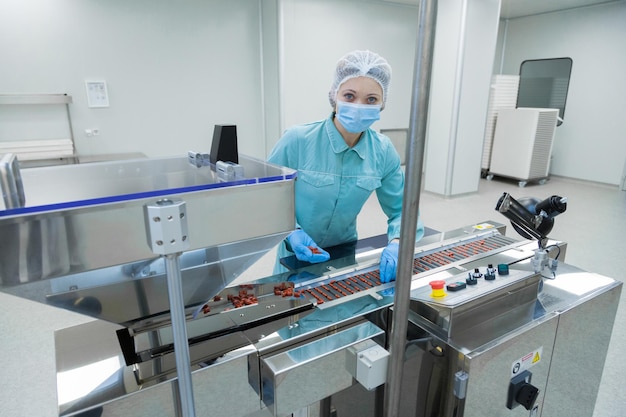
(522, 143)
(502, 95)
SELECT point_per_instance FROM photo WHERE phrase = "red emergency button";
(437, 287)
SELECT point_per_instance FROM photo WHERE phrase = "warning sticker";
(483, 226)
(527, 361)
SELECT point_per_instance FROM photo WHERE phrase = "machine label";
(527, 361)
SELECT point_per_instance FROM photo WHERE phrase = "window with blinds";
(543, 84)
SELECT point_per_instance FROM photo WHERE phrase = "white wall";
(310, 51)
(461, 77)
(173, 69)
(176, 68)
(591, 143)
(316, 33)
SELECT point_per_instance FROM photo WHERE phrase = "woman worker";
(340, 162)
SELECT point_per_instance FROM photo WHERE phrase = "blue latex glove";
(389, 262)
(301, 245)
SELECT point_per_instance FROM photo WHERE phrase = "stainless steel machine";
(497, 326)
(151, 248)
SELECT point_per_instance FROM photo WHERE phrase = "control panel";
(470, 285)
(474, 298)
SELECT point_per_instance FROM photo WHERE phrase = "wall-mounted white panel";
(459, 95)
(480, 48)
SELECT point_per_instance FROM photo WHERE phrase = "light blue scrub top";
(334, 180)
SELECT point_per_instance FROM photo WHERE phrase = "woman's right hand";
(305, 248)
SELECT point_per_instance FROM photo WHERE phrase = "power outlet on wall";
(92, 132)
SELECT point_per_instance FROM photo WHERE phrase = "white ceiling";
(519, 8)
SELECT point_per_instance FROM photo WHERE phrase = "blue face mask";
(356, 118)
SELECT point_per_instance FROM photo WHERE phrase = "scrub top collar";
(338, 144)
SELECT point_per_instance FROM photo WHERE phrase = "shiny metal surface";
(205, 272)
(126, 213)
(489, 369)
(571, 350)
(167, 232)
(273, 326)
(11, 181)
(91, 375)
(572, 390)
(426, 24)
(269, 313)
(511, 296)
(88, 251)
(283, 374)
(96, 220)
(264, 351)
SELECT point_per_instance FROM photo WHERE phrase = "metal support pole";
(166, 227)
(410, 207)
(179, 329)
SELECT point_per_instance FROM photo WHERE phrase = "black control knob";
(522, 392)
(527, 395)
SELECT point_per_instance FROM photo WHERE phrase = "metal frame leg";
(166, 228)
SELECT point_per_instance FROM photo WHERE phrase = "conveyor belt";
(423, 263)
(324, 291)
(336, 289)
(347, 286)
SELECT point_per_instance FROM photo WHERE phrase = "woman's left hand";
(389, 262)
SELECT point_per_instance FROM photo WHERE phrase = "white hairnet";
(361, 64)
